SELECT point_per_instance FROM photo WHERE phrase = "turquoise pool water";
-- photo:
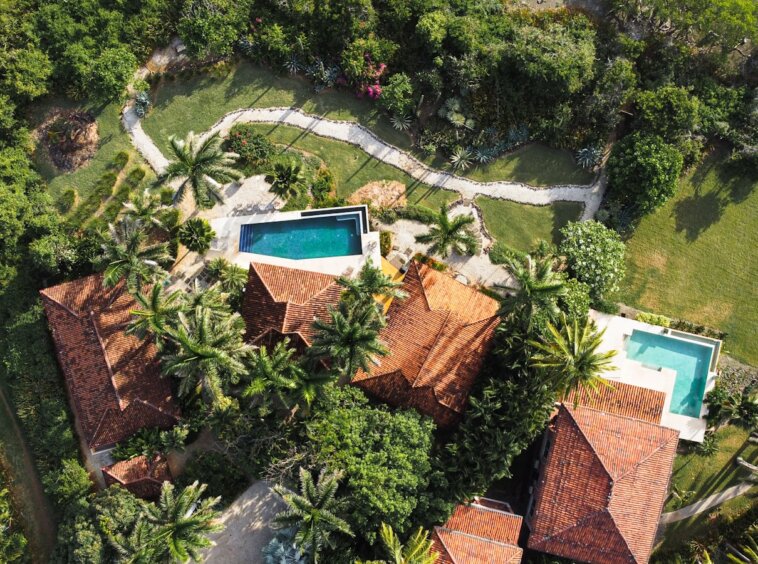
(690, 360)
(306, 238)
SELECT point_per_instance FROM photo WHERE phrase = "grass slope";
(195, 103)
(697, 257)
(520, 226)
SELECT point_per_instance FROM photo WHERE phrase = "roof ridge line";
(105, 357)
(431, 348)
(472, 536)
(52, 300)
(636, 419)
(270, 293)
(485, 508)
(654, 451)
(417, 266)
(592, 446)
(155, 407)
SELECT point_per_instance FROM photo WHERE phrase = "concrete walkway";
(706, 503)
(363, 138)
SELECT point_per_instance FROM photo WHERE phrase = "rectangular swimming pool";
(305, 238)
(690, 360)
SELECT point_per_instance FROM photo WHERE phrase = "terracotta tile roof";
(602, 488)
(113, 378)
(437, 338)
(281, 301)
(478, 534)
(142, 478)
(621, 399)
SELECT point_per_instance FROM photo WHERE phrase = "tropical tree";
(210, 299)
(349, 340)
(370, 283)
(157, 313)
(211, 353)
(313, 512)
(286, 178)
(145, 207)
(139, 546)
(182, 522)
(127, 255)
(232, 278)
(198, 163)
(448, 234)
(539, 287)
(570, 354)
(417, 550)
(196, 234)
(12, 542)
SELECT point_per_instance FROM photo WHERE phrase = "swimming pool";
(312, 237)
(690, 360)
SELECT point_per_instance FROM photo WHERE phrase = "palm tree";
(210, 299)
(211, 353)
(313, 512)
(145, 207)
(370, 283)
(232, 278)
(418, 549)
(183, 522)
(539, 288)
(127, 255)
(746, 553)
(286, 178)
(196, 234)
(139, 547)
(157, 313)
(197, 163)
(274, 374)
(450, 234)
(350, 340)
(570, 354)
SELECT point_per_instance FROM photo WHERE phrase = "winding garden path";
(706, 503)
(355, 134)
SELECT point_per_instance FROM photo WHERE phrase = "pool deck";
(617, 331)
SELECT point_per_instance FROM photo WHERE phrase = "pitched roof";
(437, 338)
(478, 533)
(138, 475)
(603, 487)
(285, 301)
(621, 399)
(113, 378)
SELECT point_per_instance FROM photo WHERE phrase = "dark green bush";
(385, 242)
(119, 161)
(500, 253)
(252, 147)
(67, 200)
(224, 477)
(323, 185)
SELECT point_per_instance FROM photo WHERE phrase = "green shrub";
(500, 253)
(67, 200)
(576, 301)
(104, 186)
(134, 177)
(223, 477)
(709, 446)
(119, 161)
(417, 213)
(167, 196)
(430, 262)
(654, 319)
(323, 185)
(300, 201)
(697, 329)
(70, 484)
(385, 242)
(252, 147)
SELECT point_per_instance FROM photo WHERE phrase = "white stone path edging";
(355, 134)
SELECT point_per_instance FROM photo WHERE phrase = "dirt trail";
(35, 509)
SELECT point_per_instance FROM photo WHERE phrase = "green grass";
(706, 475)
(112, 140)
(351, 166)
(520, 226)
(697, 257)
(181, 105)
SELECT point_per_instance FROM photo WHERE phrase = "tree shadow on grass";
(697, 213)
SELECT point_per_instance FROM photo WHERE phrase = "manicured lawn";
(706, 475)
(113, 139)
(697, 257)
(181, 105)
(520, 226)
(351, 167)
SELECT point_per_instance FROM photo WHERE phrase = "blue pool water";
(306, 238)
(690, 360)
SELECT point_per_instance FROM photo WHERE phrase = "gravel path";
(361, 137)
(706, 503)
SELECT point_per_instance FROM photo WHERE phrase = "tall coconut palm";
(417, 550)
(197, 162)
(448, 234)
(535, 300)
(349, 340)
(210, 299)
(570, 354)
(274, 373)
(139, 546)
(286, 178)
(182, 522)
(197, 235)
(145, 207)
(370, 283)
(157, 313)
(211, 354)
(313, 512)
(232, 278)
(127, 255)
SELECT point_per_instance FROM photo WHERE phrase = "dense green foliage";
(12, 541)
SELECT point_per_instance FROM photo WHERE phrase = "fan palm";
(313, 512)
(157, 313)
(145, 207)
(370, 283)
(198, 162)
(349, 340)
(286, 178)
(570, 354)
(182, 523)
(448, 234)
(539, 288)
(128, 256)
(211, 353)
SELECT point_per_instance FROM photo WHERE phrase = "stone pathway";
(363, 138)
(706, 503)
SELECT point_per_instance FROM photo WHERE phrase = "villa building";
(481, 532)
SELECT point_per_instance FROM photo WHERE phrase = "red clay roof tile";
(142, 478)
(621, 399)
